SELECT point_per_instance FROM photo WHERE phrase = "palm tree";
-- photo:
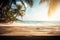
(52, 5)
(7, 14)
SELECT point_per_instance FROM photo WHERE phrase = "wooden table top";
(30, 30)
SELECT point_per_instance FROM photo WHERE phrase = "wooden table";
(29, 30)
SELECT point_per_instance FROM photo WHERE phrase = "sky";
(39, 12)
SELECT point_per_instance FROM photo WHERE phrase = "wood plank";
(30, 30)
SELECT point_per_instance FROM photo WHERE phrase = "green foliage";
(30, 2)
(7, 14)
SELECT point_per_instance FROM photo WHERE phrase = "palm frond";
(41, 1)
(23, 4)
(7, 15)
(30, 2)
(14, 1)
(4, 3)
(52, 6)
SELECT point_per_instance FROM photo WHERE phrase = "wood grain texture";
(30, 31)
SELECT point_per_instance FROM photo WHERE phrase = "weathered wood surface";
(30, 30)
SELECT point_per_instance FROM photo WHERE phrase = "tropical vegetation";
(7, 14)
